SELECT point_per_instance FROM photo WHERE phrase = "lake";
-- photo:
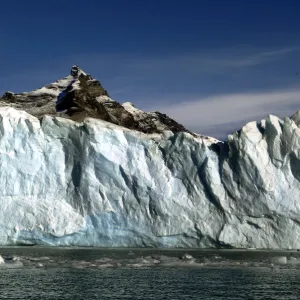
(91, 273)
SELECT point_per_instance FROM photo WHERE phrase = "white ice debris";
(281, 260)
(99, 184)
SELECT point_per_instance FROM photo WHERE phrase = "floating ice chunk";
(293, 260)
(281, 260)
(187, 257)
(16, 258)
(104, 266)
(10, 264)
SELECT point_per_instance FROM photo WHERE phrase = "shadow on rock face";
(65, 98)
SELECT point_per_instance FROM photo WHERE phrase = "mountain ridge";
(85, 97)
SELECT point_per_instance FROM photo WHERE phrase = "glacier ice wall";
(98, 184)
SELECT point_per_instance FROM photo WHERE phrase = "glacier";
(95, 183)
(110, 175)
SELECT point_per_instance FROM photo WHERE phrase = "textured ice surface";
(98, 184)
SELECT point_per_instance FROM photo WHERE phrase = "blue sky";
(212, 65)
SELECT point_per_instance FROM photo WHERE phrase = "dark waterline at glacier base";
(91, 273)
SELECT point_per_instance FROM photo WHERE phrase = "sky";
(212, 65)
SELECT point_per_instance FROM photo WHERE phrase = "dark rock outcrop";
(79, 96)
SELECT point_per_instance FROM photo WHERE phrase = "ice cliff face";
(98, 183)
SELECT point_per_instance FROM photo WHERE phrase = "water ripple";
(149, 284)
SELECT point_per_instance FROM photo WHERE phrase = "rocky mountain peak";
(79, 96)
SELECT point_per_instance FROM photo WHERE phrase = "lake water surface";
(68, 273)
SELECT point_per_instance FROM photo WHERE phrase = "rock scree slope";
(104, 174)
